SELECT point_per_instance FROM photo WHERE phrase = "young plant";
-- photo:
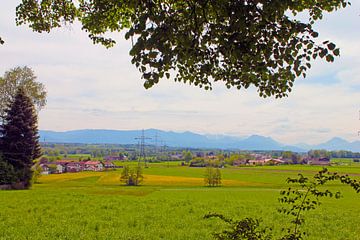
(307, 196)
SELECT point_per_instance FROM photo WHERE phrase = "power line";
(142, 139)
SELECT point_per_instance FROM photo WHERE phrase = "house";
(115, 158)
(274, 161)
(256, 162)
(60, 168)
(45, 169)
(93, 166)
(74, 167)
(109, 164)
(319, 161)
(240, 162)
(268, 161)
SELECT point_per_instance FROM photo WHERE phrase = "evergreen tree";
(20, 139)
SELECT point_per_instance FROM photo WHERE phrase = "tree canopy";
(20, 77)
(241, 43)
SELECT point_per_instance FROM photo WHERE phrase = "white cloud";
(93, 87)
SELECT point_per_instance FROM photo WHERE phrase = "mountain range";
(189, 140)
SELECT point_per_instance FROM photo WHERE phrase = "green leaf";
(336, 52)
(330, 58)
(331, 46)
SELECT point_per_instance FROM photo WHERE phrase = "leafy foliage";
(132, 176)
(19, 137)
(241, 43)
(21, 77)
(212, 176)
(305, 197)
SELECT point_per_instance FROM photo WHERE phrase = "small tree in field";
(132, 176)
(20, 140)
(212, 176)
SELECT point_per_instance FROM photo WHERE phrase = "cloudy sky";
(91, 87)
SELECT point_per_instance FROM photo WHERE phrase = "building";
(268, 161)
(319, 161)
(115, 158)
(45, 170)
(74, 167)
(109, 164)
(60, 168)
(93, 166)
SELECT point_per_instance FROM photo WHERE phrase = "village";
(63, 166)
(196, 159)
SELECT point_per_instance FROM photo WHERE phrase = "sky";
(91, 87)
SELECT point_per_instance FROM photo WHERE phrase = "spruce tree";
(20, 139)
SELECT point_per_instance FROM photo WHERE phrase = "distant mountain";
(188, 139)
(256, 142)
(339, 144)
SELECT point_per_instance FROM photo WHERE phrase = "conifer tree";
(20, 139)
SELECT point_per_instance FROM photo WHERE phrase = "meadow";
(170, 204)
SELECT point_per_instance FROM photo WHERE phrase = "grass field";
(170, 204)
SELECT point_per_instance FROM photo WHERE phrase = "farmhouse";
(268, 161)
(93, 166)
(240, 162)
(113, 158)
(274, 161)
(256, 162)
(74, 167)
(60, 168)
(109, 164)
(319, 161)
(45, 169)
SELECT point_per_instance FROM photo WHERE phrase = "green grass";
(345, 161)
(169, 205)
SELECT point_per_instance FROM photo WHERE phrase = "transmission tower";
(142, 139)
(156, 139)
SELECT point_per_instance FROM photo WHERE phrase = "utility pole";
(142, 139)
